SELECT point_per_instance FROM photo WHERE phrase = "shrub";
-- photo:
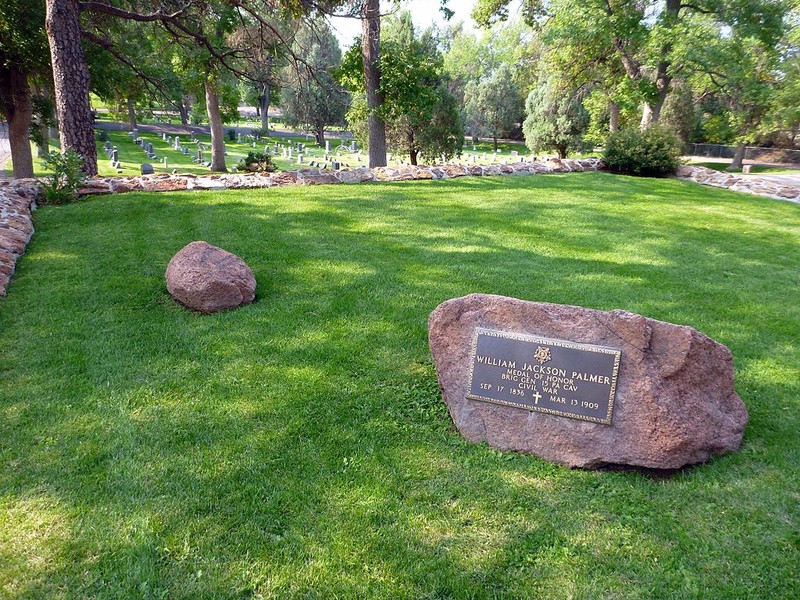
(232, 135)
(62, 186)
(258, 161)
(259, 133)
(654, 152)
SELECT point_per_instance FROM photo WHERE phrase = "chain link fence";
(779, 155)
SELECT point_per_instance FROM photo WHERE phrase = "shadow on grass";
(298, 446)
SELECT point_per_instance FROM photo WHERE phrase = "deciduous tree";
(414, 91)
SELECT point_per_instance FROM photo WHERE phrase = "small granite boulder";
(674, 404)
(209, 279)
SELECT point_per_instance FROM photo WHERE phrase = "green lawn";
(298, 447)
(774, 170)
(132, 156)
(754, 169)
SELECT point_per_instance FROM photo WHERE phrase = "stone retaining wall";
(314, 176)
(738, 183)
(17, 200)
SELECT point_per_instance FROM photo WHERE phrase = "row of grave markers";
(286, 150)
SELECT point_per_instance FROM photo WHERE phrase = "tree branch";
(131, 16)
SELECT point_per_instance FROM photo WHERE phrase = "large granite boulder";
(674, 404)
(209, 279)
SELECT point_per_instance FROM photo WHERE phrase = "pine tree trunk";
(132, 113)
(321, 135)
(215, 123)
(71, 78)
(15, 94)
(371, 51)
(494, 140)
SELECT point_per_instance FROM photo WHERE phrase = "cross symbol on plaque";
(536, 397)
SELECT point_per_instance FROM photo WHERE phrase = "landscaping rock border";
(315, 176)
(737, 183)
(17, 201)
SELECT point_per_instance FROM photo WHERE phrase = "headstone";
(185, 150)
(239, 137)
(484, 157)
(514, 153)
(208, 279)
(164, 136)
(335, 165)
(166, 163)
(299, 159)
(107, 145)
(584, 387)
(327, 146)
(147, 169)
(199, 155)
(115, 155)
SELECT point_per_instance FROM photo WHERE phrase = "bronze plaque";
(545, 375)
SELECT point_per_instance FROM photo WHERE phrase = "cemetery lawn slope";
(298, 447)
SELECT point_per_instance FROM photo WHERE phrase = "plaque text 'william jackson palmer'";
(545, 375)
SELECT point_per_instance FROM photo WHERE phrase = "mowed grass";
(132, 156)
(298, 447)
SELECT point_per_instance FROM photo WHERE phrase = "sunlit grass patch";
(299, 447)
